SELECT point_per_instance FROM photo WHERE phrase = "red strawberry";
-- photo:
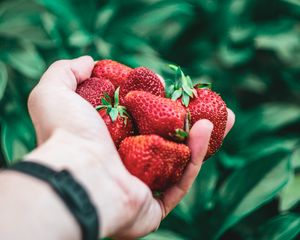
(112, 70)
(93, 90)
(157, 115)
(142, 79)
(202, 103)
(116, 118)
(209, 105)
(159, 163)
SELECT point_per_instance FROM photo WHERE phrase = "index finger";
(68, 73)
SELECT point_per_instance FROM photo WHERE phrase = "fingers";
(198, 142)
(230, 121)
(68, 73)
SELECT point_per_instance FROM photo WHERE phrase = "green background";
(248, 49)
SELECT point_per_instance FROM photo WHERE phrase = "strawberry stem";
(180, 135)
(183, 86)
(113, 109)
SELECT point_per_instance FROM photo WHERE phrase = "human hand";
(72, 129)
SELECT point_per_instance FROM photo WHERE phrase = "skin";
(72, 135)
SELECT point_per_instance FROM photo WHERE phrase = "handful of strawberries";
(148, 129)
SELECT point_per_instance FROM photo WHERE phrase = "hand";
(63, 119)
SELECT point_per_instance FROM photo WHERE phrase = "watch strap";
(70, 191)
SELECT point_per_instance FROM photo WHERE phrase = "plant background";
(248, 49)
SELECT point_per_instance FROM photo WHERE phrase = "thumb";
(68, 73)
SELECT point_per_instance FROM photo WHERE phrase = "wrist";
(64, 150)
(31, 204)
(98, 168)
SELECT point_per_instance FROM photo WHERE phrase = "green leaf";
(231, 57)
(295, 3)
(176, 94)
(290, 195)
(116, 97)
(205, 186)
(295, 159)
(185, 209)
(17, 136)
(65, 10)
(189, 81)
(267, 119)
(103, 47)
(21, 16)
(241, 34)
(99, 107)
(261, 147)
(187, 89)
(106, 100)
(24, 30)
(80, 39)
(185, 99)
(3, 79)
(289, 113)
(104, 17)
(113, 113)
(173, 67)
(163, 235)
(284, 227)
(250, 187)
(283, 44)
(27, 60)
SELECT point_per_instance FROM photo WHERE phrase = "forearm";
(29, 208)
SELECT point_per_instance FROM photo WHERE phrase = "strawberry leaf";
(190, 82)
(187, 89)
(182, 86)
(113, 113)
(178, 74)
(185, 99)
(107, 97)
(105, 102)
(169, 91)
(173, 67)
(99, 107)
(116, 97)
(177, 94)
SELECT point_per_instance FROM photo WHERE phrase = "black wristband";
(70, 191)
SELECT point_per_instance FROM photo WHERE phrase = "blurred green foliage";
(249, 49)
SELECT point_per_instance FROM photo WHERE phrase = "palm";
(56, 105)
(61, 107)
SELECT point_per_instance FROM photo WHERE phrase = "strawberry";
(157, 115)
(209, 105)
(93, 89)
(114, 71)
(142, 79)
(159, 163)
(201, 103)
(116, 118)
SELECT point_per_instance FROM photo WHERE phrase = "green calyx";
(182, 134)
(183, 86)
(204, 85)
(113, 109)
